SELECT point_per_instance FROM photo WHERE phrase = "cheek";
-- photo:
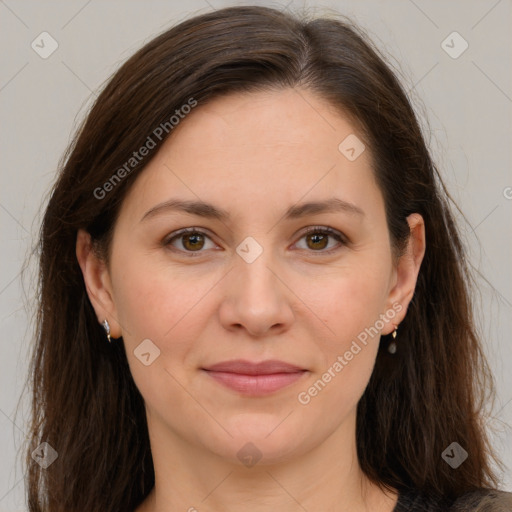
(167, 307)
(350, 309)
(155, 300)
(350, 303)
(349, 299)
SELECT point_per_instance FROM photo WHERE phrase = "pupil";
(315, 238)
(195, 238)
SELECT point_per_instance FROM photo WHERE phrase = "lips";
(243, 367)
(255, 379)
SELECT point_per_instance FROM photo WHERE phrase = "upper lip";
(244, 367)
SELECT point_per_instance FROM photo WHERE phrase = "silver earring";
(106, 326)
(392, 345)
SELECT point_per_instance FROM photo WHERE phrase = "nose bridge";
(257, 300)
(256, 258)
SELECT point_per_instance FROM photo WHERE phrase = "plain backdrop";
(464, 103)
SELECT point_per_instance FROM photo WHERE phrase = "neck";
(191, 478)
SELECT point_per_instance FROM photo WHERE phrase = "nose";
(257, 298)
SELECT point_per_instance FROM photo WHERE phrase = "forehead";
(280, 122)
(269, 147)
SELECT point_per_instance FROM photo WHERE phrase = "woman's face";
(252, 284)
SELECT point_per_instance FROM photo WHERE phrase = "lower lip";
(255, 385)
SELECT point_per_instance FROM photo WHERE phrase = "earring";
(392, 345)
(106, 326)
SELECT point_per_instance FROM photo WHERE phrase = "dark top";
(477, 501)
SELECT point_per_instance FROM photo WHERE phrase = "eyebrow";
(208, 210)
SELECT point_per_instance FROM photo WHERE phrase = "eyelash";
(324, 230)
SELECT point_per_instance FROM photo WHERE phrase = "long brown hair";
(418, 401)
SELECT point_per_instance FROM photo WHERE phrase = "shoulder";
(416, 501)
(483, 500)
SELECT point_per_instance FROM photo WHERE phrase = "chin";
(255, 442)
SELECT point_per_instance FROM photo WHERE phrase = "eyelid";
(324, 229)
(184, 231)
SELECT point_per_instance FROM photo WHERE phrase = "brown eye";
(188, 240)
(317, 239)
(193, 242)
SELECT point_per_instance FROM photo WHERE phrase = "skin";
(254, 155)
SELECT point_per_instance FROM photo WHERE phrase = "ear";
(97, 282)
(406, 272)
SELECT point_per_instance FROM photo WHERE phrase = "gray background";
(467, 102)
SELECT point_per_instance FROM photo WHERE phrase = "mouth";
(255, 379)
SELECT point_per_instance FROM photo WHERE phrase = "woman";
(253, 293)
